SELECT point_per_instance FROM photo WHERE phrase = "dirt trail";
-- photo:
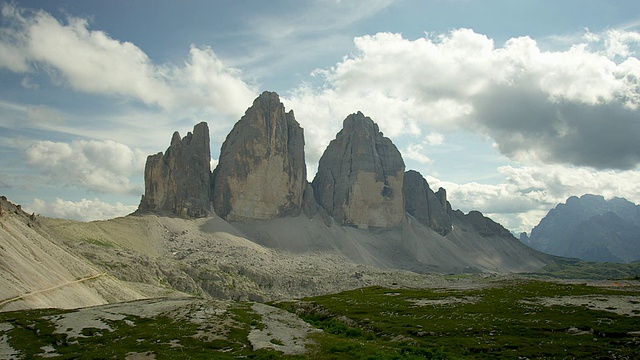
(22, 296)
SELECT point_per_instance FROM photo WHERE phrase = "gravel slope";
(37, 271)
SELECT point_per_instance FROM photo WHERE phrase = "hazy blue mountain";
(590, 228)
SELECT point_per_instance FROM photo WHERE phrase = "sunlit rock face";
(360, 176)
(178, 181)
(261, 173)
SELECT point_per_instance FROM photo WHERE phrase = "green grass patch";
(503, 321)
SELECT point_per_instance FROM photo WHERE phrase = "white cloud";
(434, 139)
(11, 58)
(83, 210)
(576, 106)
(418, 151)
(101, 166)
(91, 61)
(620, 42)
(208, 83)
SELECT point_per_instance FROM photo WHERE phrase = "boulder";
(261, 173)
(179, 181)
(360, 176)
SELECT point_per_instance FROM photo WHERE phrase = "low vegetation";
(578, 269)
(33, 333)
(505, 321)
(508, 320)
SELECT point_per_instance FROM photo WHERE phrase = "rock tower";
(178, 181)
(360, 176)
(261, 173)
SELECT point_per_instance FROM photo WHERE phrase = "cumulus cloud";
(91, 61)
(100, 166)
(575, 106)
(83, 210)
(418, 151)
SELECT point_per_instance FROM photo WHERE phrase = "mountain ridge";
(361, 205)
(590, 228)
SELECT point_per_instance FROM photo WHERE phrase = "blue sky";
(512, 106)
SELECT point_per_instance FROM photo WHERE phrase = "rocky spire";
(261, 173)
(360, 176)
(178, 181)
(431, 209)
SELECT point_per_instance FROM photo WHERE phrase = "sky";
(511, 106)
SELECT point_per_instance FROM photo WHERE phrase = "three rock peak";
(261, 174)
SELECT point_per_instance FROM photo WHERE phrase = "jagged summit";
(178, 181)
(261, 173)
(360, 174)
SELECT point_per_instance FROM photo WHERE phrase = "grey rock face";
(484, 225)
(178, 181)
(431, 209)
(261, 173)
(360, 176)
(309, 204)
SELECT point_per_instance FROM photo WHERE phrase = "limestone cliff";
(431, 209)
(261, 173)
(178, 181)
(360, 176)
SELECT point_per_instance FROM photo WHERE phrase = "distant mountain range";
(590, 228)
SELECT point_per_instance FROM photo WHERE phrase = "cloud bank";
(577, 106)
(83, 210)
(96, 166)
(91, 61)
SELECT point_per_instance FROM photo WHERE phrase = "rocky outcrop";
(179, 181)
(431, 209)
(483, 225)
(261, 173)
(309, 205)
(360, 175)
